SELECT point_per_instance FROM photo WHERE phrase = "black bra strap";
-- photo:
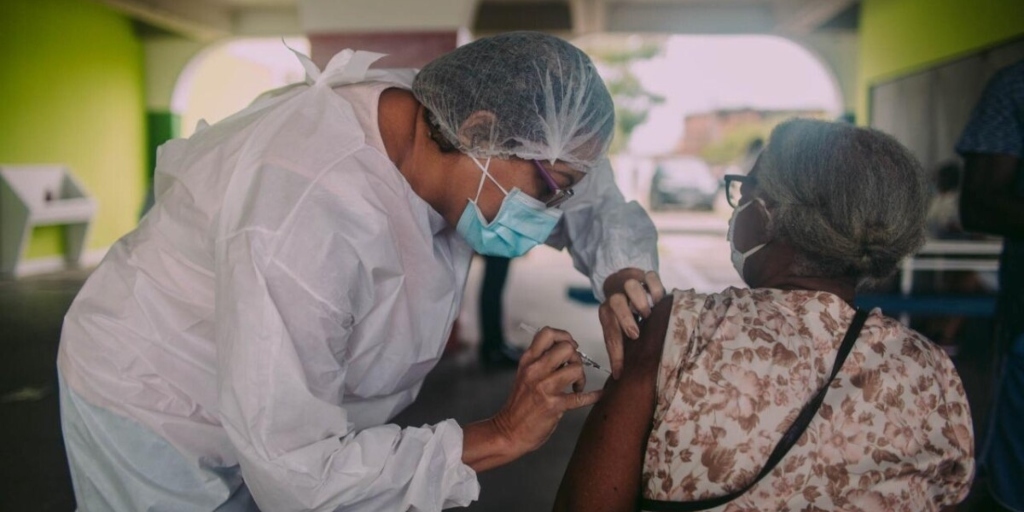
(790, 438)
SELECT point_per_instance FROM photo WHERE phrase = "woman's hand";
(550, 380)
(628, 292)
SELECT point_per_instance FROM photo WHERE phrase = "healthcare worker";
(245, 347)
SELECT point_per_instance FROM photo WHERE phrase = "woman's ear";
(478, 129)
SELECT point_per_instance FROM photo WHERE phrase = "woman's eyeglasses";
(558, 195)
(733, 187)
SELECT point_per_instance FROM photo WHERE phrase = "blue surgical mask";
(739, 258)
(522, 222)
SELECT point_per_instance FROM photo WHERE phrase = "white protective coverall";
(281, 302)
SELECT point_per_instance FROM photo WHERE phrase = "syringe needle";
(586, 359)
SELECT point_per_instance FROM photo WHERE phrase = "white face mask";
(739, 258)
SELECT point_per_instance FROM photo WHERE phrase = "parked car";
(684, 181)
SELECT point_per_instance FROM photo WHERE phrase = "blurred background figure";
(495, 351)
(992, 201)
(944, 211)
(943, 223)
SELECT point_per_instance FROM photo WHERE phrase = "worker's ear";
(477, 131)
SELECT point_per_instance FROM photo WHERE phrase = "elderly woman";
(785, 396)
(247, 345)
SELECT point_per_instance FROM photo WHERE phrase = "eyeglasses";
(734, 185)
(558, 195)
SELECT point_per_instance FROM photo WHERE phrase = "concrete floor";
(33, 470)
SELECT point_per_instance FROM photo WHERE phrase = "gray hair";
(851, 201)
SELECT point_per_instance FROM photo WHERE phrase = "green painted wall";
(898, 37)
(71, 92)
(161, 126)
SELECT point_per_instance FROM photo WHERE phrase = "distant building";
(703, 129)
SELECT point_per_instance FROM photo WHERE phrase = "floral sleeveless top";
(894, 431)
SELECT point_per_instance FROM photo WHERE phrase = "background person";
(495, 352)
(992, 201)
(300, 271)
(943, 223)
(715, 380)
(943, 219)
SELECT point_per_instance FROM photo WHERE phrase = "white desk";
(41, 195)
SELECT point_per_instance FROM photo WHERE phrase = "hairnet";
(523, 94)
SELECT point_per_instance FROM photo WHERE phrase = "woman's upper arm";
(604, 472)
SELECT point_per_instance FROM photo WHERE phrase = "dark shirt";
(997, 126)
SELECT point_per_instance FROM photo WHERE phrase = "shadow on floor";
(33, 471)
(458, 388)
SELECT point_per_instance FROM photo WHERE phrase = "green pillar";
(161, 126)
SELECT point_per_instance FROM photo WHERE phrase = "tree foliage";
(615, 57)
(732, 146)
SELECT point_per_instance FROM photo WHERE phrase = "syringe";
(587, 361)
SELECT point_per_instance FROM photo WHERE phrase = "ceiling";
(206, 20)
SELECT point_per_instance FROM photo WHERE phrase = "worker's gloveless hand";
(629, 292)
(550, 380)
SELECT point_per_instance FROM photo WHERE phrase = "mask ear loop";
(768, 215)
(744, 206)
(752, 250)
(483, 167)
